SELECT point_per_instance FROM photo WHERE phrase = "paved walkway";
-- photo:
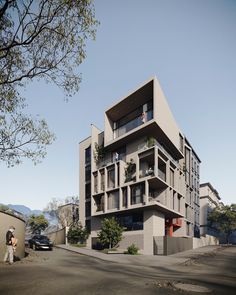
(145, 260)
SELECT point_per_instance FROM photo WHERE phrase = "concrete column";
(116, 176)
(99, 182)
(137, 168)
(154, 226)
(105, 179)
(146, 196)
(120, 198)
(156, 161)
(128, 197)
(105, 202)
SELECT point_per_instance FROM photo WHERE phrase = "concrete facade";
(142, 170)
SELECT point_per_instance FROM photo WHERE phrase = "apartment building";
(142, 170)
(209, 199)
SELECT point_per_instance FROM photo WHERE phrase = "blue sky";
(190, 45)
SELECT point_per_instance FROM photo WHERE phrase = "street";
(64, 272)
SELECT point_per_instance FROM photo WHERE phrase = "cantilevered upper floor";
(145, 111)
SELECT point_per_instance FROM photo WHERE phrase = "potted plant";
(99, 153)
(130, 170)
(151, 141)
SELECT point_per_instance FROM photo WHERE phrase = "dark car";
(40, 242)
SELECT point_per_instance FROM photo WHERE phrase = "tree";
(64, 210)
(111, 232)
(77, 234)
(23, 137)
(37, 223)
(223, 219)
(43, 39)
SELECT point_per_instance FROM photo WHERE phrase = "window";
(124, 197)
(113, 200)
(95, 182)
(134, 119)
(88, 225)
(88, 155)
(179, 204)
(186, 211)
(88, 173)
(137, 192)
(87, 209)
(187, 165)
(171, 177)
(88, 190)
(161, 169)
(119, 154)
(131, 222)
(111, 177)
(102, 173)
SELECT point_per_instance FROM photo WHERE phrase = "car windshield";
(41, 237)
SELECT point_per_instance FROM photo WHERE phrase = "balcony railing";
(132, 124)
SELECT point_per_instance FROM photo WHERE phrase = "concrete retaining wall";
(205, 241)
(7, 220)
(170, 245)
(58, 237)
(174, 245)
(132, 238)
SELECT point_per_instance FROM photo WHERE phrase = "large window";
(111, 177)
(124, 197)
(132, 221)
(87, 209)
(88, 155)
(187, 165)
(102, 174)
(113, 200)
(134, 119)
(179, 203)
(88, 190)
(95, 182)
(172, 177)
(88, 173)
(137, 192)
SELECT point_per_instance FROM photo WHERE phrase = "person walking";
(9, 243)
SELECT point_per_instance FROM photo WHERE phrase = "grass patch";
(106, 250)
(78, 245)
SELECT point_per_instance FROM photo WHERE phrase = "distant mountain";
(24, 210)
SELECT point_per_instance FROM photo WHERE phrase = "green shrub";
(77, 234)
(132, 249)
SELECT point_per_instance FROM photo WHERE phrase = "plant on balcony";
(130, 170)
(99, 152)
(151, 141)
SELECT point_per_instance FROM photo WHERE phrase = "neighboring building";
(209, 199)
(142, 170)
(68, 214)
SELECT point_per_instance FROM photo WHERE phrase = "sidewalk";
(144, 260)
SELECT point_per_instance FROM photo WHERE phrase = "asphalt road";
(62, 272)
